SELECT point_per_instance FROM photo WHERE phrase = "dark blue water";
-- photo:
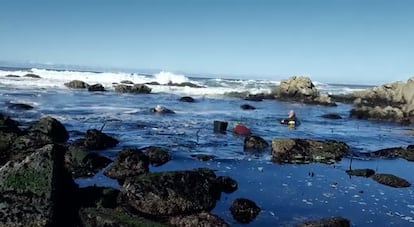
(286, 193)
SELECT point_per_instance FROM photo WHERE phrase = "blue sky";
(347, 41)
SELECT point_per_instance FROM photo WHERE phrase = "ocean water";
(287, 193)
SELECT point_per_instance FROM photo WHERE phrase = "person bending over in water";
(291, 120)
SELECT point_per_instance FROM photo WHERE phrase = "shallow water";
(286, 193)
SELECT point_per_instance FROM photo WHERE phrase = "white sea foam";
(209, 87)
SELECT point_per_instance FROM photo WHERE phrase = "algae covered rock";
(136, 88)
(255, 143)
(97, 140)
(361, 172)
(51, 128)
(157, 155)
(200, 219)
(37, 190)
(77, 84)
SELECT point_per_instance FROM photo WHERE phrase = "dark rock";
(344, 98)
(187, 99)
(19, 106)
(392, 152)
(157, 155)
(51, 128)
(391, 180)
(307, 150)
(37, 191)
(247, 107)
(12, 76)
(128, 163)
(136, 88)
(244, 210)
(98, 197)
(6, 141)
(126, 82)
(96, 87)
(201, 219)
(81, 162)
(255, 143)
(361, 172)
(328, 222)
(185, 84)
(76, 84)
(103, 217)
(203, 157)
(28, 143)
(170, 193)
(153, 83)
(254, 97)
(220, 126)
(31, 75)
(8, 125)
(97, 140)
(333, 116)
(226, 184)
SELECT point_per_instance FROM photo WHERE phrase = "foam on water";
(209, 86)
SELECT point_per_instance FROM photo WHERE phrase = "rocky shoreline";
(39, 164)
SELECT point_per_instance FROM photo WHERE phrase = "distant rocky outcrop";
(76, 84)
(388, 102)
(136, 88)
(301, 89)
(31, 75)
(96, 87)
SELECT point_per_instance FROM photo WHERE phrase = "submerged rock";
(203, 157)
(247, 107)
(307, 150)
(244, 210)
(332, 116)
(391, 180)
(361, 172)
(19, 106)
(187, 99)
(328, 222)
